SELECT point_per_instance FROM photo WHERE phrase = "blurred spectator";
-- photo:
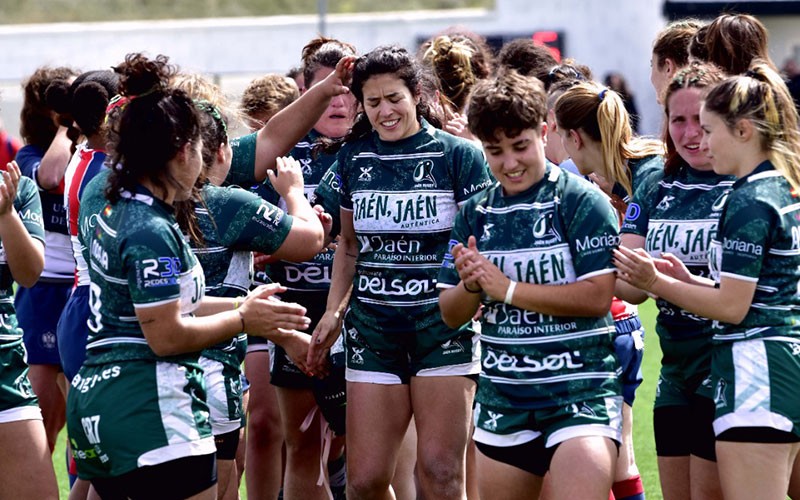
(9, 145)
(616, 82)
(791, 72)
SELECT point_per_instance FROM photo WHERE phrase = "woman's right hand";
(287, 178)
(325, 334)
(265, 315)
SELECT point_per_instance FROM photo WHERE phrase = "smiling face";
(390, 107)
(684, 127)
(338, 117)
(517, 162)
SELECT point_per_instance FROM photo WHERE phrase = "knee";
(366, 486)
(442, 475)
(263, 426)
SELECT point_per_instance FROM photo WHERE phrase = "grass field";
(643, 417)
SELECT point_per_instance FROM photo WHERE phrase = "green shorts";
(223, 395)
(503, 427)
(377, 357)
(685, 370)
(131, 414)
(756, 384)
(17, 400)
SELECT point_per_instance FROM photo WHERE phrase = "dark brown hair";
(508, 103)
(37, 124)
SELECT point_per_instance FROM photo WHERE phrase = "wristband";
(467, 288)
(241, 318)
(237, 302)
(510, 292)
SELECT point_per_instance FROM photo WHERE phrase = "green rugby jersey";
(312, 278)
(679, 215)
(645, 171)
(758, 240)
(137, 258)
(234, 222)
(28, 206)
(93, 200)
(404, 196)
(561, 230)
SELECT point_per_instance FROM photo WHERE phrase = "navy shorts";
(38, 309)
(72, 331)
(629, 346)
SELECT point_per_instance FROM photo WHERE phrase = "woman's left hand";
(8, 188)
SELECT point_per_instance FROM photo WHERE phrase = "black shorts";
(173, 480)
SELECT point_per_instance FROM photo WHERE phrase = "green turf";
(642, 409)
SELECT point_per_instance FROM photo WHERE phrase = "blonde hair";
(199, 88)
(458, 62)
(761, 96)
(601, 114)
(267, 95)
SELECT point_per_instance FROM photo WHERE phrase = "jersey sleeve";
(637, 216)
(448, 275)
(592, 231)
(152, 261)
(247, 222)
(243, 163)
(28, 205)
(343, 166)
(471, 172)
(745, 234)
(28, 159)
(328, 195)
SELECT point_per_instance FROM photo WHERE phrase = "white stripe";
(595, 273)
(206, 250)
(688, 187)
(759, 305)
(431, 154)
(155, 304)
(394, 265)
(514, 208)
(106, 227)
(740, 335)
(764, 175)
(790, 208)
(399, 304)
(751, 385)
(551, 380)
(116, 340)
(411, 192)
(110, 279)
(784, 253)
(739, 277)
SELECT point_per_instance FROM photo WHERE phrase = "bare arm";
(344, 268)
(307, 236)
(292, 123)
(728, 303)
(169, 333)
(24, 254)
(55, 160)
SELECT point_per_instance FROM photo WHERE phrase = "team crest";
(720, 202)
(424, 172)
(487, 232)
(491, 424)
(543, 227)
(365, 174)
(719, 394)
(357, 358)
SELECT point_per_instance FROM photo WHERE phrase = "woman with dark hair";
(676, 219)
(401, 181)
(750, 131)
(734, 41)
(142, 370)
(43, 159)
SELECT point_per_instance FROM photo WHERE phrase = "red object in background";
(9, 145)
(551, 40)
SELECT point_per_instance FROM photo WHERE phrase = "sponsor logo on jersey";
(633, 212)
(366, 174)
(474, 188)
(396, 287)
(742, 246)
(30, 215)
(162, 271)
(377, 243)
(452, 347)
(423, 174)
(99, 254)
(664, 204)
(592, 244)
(333, 180)
(543, 228)
(84, 385)
(305, 166)
(449, 260)
(308, 274)
(508, 363)
(270, 214)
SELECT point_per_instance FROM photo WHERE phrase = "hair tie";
(207, 107)
(752, 74)
(602, 94)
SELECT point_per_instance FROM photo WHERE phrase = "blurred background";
(233, 41)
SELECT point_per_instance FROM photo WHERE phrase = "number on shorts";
(90, 428)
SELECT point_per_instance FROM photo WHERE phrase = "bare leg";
(442, 410)
(595, 457)
(381, 413)
(704, 479)
(264, 436)
(755, 470)
(26, 469)
(675, 478)
(403, 481)
(48, 383)
(500, 481)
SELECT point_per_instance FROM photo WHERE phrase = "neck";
(96, 141)
(594, 159)
(163, 193)
(750, 162)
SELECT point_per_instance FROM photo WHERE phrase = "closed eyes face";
(390, 107)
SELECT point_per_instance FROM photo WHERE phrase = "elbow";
(164, 349)
(598, 307)
(734, 316)
(28, 277)
(449, 320)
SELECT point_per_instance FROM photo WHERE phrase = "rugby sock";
(629, 489)
(337, 472)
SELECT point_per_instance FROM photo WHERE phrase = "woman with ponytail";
(137, 412)
(595, 130)
(750, 131)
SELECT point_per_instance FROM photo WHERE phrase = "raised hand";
(636, 267)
